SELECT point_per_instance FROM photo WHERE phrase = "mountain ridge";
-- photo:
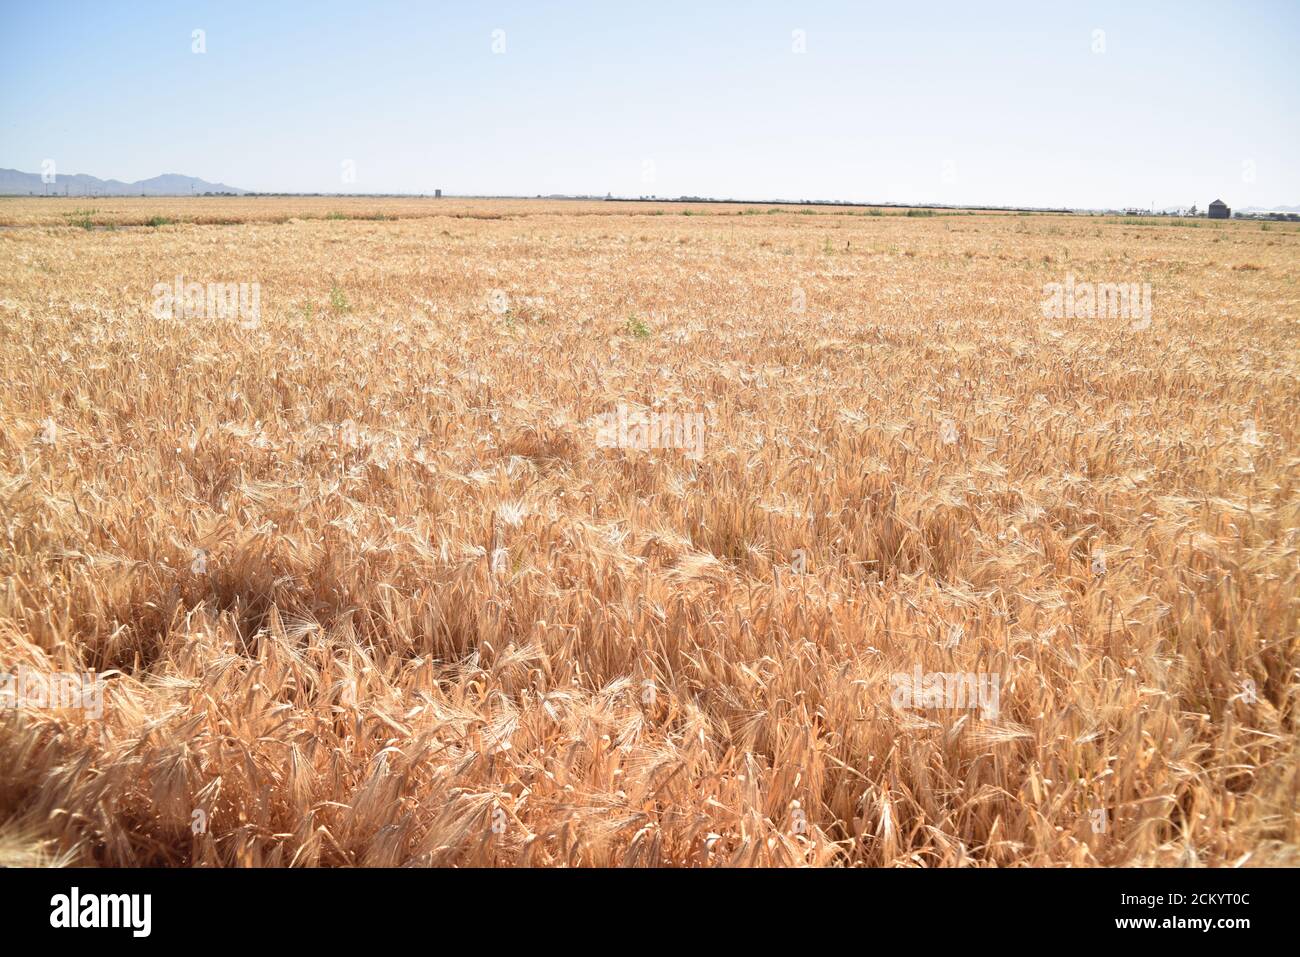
(17, 183)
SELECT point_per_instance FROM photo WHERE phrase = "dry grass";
(437, 623)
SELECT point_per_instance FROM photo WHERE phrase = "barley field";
(620, 534)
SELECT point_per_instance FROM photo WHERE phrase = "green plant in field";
(81, 217)
(338, 301)
(637, 328)
(159, 221)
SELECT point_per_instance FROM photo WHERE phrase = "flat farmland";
(477, 532)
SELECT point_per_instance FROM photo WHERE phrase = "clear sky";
(957, 102)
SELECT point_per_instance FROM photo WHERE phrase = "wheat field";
(365, 583)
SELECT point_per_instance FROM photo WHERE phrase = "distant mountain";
(16, 183)
(1271, 209)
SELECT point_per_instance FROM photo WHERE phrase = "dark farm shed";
(1219, 210)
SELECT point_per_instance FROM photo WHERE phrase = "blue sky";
(999, 103)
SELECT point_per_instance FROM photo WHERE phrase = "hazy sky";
(999, 103)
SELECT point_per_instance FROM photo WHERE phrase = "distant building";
(437, 194)
(1219, 210)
